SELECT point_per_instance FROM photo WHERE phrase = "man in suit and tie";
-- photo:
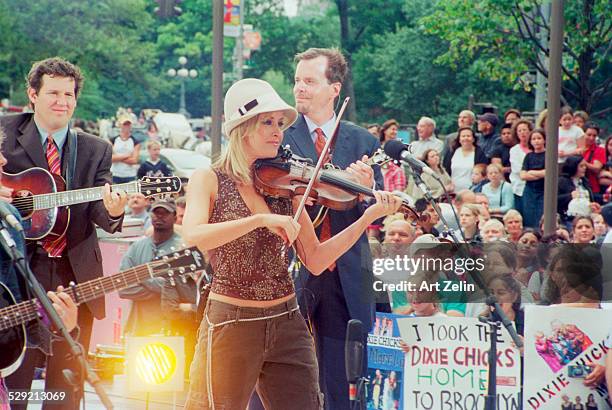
(44, 139)
(344, 291)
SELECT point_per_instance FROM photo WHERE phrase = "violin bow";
(322, 159)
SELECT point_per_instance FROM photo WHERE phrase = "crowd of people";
(261, 328)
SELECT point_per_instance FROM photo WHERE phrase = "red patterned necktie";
(326, 224)
(56, 247)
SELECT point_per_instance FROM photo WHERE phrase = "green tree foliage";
(502, 36)
(105, 38)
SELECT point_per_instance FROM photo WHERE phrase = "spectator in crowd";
(520, 132)
(512, 115)
(492, 230)
(399, 234)
(137, 203)
(488, 140)
(606, 213)
(580, 118)
(571, 141)
(126, 153)
(154, 167)
(152, 132)
(605, 182)
(513, 222)
(608, 148)
(464, 154)
(388, 131)
(432, 158)
(482, 200)
(469, 218)
(479, 178)
(499, 192)
(601, 229)
(501, 155)
(429, 226)
(145, 314)
(374, 129)
(464, 196)
(541, 120)
(595, 158)
(427, 140)
(527, 255)
(508, 290)
(583, 230)
(466, 118)
(573, 186)
(393, 176)
(533, 172)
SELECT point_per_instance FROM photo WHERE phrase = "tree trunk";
(345, 42)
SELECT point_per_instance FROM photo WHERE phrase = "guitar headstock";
(379, 158)
(151, 186)
(178, 263)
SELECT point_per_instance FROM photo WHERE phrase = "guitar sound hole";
(24, 202)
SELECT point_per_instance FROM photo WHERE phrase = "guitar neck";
(79, 196)
(24, 312)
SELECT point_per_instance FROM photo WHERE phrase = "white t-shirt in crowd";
(121, 169)
(461, 169)
(517, 155)
(568, 139)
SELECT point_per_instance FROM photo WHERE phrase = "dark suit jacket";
(23, 150)
(355, 266)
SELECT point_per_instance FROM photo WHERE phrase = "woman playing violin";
(252, 334)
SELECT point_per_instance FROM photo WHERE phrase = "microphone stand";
(497, 315)
(360, 402)
(9, 246)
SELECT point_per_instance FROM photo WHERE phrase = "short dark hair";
(336, 63)
(592, 125)
(512, 110)
(54, 67)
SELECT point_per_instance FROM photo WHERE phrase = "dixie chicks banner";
(385, 365)
(562, 347)
(447, 365)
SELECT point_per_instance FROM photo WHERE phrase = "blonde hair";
(512, 213)
(494, 223)
(233, 160)
(475, 209)
(392, 218)
(153, 143)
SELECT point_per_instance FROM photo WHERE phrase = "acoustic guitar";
(14, 316)
(43, 202)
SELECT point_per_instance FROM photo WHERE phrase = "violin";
(287, 176)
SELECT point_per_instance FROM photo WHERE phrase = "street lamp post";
(182, 73)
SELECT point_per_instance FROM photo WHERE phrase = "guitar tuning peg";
(172, 282)
(170, 273)
(192, 267)
(183, 279)
(158, 180)
(181, 270)
(158, 190)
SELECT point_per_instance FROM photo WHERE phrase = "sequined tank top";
(254, 266)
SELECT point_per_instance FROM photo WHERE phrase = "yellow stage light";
(155, 363)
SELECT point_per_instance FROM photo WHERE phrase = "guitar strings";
(87, 291)
(30, 199)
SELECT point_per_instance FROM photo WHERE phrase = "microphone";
(8, 216)
(353, 356)
(398, 151)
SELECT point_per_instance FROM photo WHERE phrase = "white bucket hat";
(249, 97)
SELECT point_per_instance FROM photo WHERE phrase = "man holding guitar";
(44, 139)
